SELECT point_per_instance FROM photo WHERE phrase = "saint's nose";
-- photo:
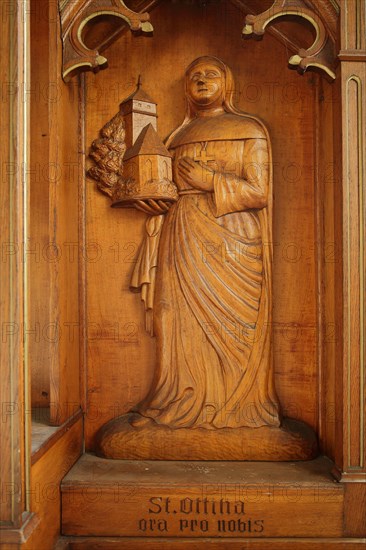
(201, 80)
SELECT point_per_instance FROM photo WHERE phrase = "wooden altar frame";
(24, 519)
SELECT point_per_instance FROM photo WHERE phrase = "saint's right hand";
(196, 174)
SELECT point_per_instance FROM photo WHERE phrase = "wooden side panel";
(120, 353)
(354, 510)
(328, 177)
(64, 231)
(39, 269)
(53, 247)
(13, 155)
(338, 282)
(46, 476)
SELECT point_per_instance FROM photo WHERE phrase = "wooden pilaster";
(16, 522)
(351, 457)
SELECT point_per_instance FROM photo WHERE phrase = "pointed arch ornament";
(321, 55)
(75, 16)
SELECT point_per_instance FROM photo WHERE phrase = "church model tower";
(132, 162)
(138, 111)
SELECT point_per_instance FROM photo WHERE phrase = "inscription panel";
(215, 510)
(203, 516)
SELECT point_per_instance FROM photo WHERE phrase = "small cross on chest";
(203, 155)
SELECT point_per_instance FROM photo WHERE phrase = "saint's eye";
(212, 74)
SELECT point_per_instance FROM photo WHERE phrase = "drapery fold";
(211, 271)
(210, 373)
(144, 274)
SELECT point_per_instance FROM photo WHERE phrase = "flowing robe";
(212, 298)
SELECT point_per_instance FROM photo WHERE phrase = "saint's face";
(205, 85)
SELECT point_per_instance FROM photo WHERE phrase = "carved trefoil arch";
(320, 55)
(78, 15)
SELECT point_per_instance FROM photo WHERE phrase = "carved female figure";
(209, 259)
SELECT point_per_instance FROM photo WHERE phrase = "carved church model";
(147, 166)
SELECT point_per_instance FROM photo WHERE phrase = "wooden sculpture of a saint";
(205, 274)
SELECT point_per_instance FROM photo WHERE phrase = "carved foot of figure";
(133, 436)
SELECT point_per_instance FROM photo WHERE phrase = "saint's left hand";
(197, 174)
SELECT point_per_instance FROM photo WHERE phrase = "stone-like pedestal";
(121, 439)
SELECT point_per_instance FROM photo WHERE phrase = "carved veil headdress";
(228, 99)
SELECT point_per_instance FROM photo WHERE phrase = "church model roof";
(148, 143)
(140, 95)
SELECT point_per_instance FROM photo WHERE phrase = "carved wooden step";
(111, 498)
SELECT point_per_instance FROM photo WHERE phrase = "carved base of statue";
(133, 436)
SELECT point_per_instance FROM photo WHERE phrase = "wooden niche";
(121, 354)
